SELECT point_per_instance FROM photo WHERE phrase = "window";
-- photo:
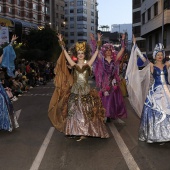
(150, 43)
(71, 10)
(71, 41)
(18, 2)
(27, 14)
(1, 9)
(71, 25)
(82, 26)
(81, 3)
(72, 3)
(82, 33)
(18, 12)
(136, 17)
(27, 4)
(71, 33)
(34, 16)
(62, 16)
(92, 6)
(10, 10)
(92, 20)
(166, 4)
(143, 18)
(156, 38)
(71, 18)
(149, 14)
(92, 13)
(82, 11)
(156, 9)
(43, 9)
(35, 6)
(81, 18)
(92, 28)
(137, 31)
(165, 38)
(56, 15)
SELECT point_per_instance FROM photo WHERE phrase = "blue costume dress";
(155, 119)
(7, 116)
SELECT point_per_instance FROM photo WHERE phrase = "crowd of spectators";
(27, 75)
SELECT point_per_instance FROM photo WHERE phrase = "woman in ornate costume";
(74, 108)
(8, 119)
(106, 71)
(153, 104)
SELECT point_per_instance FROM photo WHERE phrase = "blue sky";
(114, 12)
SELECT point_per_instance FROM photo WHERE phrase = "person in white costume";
(151, 104)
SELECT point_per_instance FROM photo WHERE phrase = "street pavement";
(36, 145)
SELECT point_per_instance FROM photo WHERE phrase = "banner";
(4, 35)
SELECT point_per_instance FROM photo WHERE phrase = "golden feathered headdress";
(81, 46)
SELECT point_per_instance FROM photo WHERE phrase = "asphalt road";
(36, 145)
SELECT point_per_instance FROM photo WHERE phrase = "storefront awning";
(26, 24)
(6, 22)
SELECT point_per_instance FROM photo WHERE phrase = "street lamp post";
(162, 21)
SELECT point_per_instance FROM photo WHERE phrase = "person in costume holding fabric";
(75, 109)
(8, 120)
(154, 106)
(106, 71)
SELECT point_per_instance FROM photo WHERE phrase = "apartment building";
(136, 24)
(22, 15)
(155, 18)
(54, 15)
(81, 19)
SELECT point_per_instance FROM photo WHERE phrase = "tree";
(41, 45)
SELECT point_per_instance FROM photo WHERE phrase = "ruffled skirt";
(114, 104)
(155, 119)
(85, 116)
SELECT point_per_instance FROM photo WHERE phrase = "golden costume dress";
(75, 109)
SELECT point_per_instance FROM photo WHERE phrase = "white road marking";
(132, 165)
(40, 155)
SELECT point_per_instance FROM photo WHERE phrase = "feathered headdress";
(81, 46)
(158, 48)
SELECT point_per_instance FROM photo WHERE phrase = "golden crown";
(81, 46)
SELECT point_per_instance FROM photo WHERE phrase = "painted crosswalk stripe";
(132, 165)
(40, 155)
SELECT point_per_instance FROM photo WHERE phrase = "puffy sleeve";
(137, 82)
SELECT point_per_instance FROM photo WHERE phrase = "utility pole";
(162, 21)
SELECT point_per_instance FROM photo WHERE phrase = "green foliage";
(41, 44)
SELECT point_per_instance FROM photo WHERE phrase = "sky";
(114, 12)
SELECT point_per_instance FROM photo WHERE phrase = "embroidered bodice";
(160, 76)
(80, 79)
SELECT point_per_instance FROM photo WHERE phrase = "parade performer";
(8, 119)
(106, 71)
(151, 103)
(75, 109)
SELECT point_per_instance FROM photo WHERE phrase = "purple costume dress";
(105, 73)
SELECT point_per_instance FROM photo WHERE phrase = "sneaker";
(31, 87)
(19, 95)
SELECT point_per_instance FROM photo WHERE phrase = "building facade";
(81, 19)
(22, 15)
(137, 23)
(155, 16)
(54, 15)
